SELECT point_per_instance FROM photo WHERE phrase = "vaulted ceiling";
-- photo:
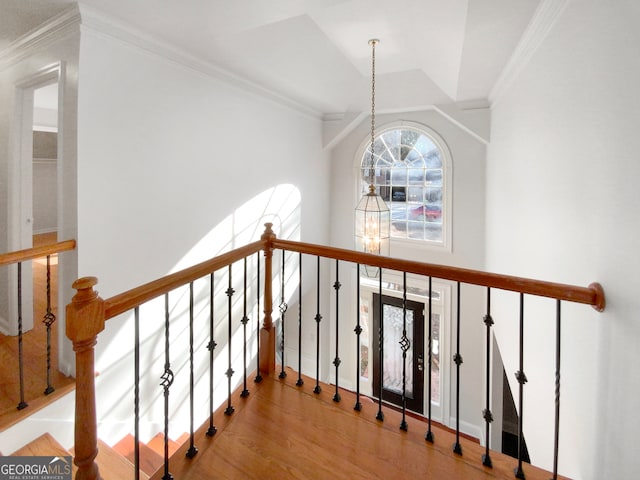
(316, 52)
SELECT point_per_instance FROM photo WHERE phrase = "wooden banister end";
(85, 313)
(268, 235)
(600, 300)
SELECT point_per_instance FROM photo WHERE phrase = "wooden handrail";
(592, 295)
(125, 301)
(87, 313)
(36, 252)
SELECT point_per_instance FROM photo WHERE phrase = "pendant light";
(373, 218)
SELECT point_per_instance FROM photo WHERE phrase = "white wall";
(175, 167)
(23, 63)
(468, 166)
(563, 204)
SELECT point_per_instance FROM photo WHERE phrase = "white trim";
(45, 128)
(447, 172)
(52, 30)
(46, 161)
(100, 23)
(469, 429)
(543, 20)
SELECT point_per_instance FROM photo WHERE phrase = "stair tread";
(157, 445)
(113, 465)
(150, 461)
(44, 445)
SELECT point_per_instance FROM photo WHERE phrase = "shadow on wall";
(279, 205)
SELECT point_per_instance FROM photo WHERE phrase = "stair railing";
(87, 313)
(18, 258)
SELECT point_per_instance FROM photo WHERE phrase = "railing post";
(85, 319)
(267, 332)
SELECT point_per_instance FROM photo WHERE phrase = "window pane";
(416, 176)
(398, 211)
(433, 232)
(399, 175)
(415, 230)
(434, 177)
(432, 159)
(435, 358)
(415, 194)
(399, 229)
(409, 177)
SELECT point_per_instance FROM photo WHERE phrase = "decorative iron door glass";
(401, 376)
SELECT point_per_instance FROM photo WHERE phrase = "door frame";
(20, 187)
(416, 402)
(441, 304)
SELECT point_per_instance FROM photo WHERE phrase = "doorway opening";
(402, 365)
(417, 359)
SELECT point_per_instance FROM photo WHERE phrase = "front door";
(394, 322)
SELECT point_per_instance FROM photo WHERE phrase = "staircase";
(115, 463)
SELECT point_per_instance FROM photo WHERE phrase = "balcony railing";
(229, 320)
(17, 260)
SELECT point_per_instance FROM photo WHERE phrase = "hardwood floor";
(287, 432)
(34, 351)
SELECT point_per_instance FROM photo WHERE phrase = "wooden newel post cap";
(268, 235)
(85, 313)
(85, 291)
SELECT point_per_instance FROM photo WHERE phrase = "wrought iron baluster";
(487, 415)
(457, 358)
(300, 382)
(429, 435)
(245, 320)
(404, 346)
(318, 319)
(258, 378)
(556, 429)
(211, 346)
(22, 404)
(380, 414)
(230, 291)
(191, 452)
(283, 311)
(136, 393)
(166, 382)
(522, 379)
(49, 319)
(358, 331)
(336, 361)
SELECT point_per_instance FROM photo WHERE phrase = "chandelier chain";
(373, 44)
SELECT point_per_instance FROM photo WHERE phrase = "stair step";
(44, 445)
(157, 445)
(113, 465)
(150, 461)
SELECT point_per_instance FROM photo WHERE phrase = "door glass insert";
(393, 361)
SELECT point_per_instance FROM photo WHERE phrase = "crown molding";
(101, 24)
(56, 28)
(543, 20)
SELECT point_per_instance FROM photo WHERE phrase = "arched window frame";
(447, 182)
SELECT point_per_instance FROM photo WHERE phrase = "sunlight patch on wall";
(279, 205)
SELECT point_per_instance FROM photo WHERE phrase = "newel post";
(267, 332)
(85, 319)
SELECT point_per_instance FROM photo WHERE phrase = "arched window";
(410, 175)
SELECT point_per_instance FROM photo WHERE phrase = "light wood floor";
(34, 351)
(282, 431)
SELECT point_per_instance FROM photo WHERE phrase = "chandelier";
(373, 218)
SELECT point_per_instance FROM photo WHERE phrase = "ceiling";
(316, 52)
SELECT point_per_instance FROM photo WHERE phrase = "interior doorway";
(34, 145)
